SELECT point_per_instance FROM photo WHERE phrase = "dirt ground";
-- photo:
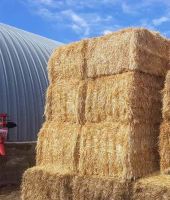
(10, 192)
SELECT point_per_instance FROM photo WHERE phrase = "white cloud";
(75, 17)
(79, 22)
(105, 32)
(76, 28)
(49, 3)
(160, 20)
(45, 2)
(128, 9)
(111, 29)
(88, 18)
(69, 15)
(46, 13)
(73, 3)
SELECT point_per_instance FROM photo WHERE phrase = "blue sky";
(72, 20)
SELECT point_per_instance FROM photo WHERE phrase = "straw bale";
(68, 61)
(67, 101)
(130, 49)
(97, 188)
(57, 145)
(128, 96)
(119, 149)
(164, 146)
(156, 187)
(44, 183)
(166, 98)
(164, 140)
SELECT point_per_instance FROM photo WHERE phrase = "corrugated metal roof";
(23, 79)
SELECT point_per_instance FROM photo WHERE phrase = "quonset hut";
(23, 79)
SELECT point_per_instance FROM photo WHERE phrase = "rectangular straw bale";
(164, 145)
(44, 183)
(57, 145)
(123, 97)
(97, 188)
(166, 98)
(119, 149)
(129, 49)
(156, 187)
(68, 61)
(67, 101)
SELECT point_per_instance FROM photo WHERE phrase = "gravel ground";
(9, 193)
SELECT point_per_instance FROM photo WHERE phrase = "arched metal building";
(23, 79)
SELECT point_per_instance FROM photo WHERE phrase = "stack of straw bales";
(103, 112)
(165, 128)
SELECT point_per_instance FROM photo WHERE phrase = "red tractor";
(4, 126)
